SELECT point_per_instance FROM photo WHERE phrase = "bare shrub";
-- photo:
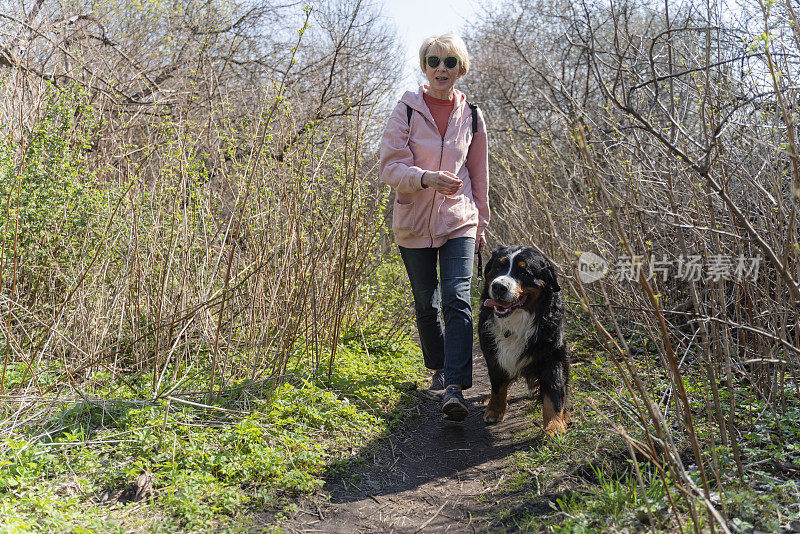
(187, 195)
(662, 140)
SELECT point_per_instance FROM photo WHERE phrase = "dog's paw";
(556, 426)
(493, 416)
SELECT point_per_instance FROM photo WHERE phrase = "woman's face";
(441, 79)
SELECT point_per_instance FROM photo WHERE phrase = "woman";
(438, 168)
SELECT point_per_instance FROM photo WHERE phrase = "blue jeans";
(448, 347)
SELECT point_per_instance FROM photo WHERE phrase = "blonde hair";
(445, 45)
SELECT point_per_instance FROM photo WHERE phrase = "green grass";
(210, 468)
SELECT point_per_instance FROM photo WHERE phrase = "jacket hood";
(414, 100)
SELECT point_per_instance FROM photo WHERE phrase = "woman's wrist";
(422, 180)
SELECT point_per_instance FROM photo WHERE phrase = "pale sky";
(418, 19)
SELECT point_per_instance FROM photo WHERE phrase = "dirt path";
(429, 476)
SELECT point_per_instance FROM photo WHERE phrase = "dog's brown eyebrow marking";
(503, 260)
(521, 264)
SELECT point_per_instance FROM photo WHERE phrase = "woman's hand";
(444, 182)
(480, 244)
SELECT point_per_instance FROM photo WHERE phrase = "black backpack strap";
(409, 112)
(474, 109)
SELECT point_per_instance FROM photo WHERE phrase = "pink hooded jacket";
(424, 217)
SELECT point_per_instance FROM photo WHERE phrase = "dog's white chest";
(511, 334)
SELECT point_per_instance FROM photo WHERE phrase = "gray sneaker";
(437, 381)
(454, 407)
(436, 389)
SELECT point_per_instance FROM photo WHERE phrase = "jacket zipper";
(433, 202)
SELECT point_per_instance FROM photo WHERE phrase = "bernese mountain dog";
(521, 332)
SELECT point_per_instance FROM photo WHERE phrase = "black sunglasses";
(433, 61)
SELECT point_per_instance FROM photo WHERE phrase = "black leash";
(480, 264)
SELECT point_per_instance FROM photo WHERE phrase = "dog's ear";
(489, 264)
(493, 259)
(551, 277)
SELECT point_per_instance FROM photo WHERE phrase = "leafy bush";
(46, 187)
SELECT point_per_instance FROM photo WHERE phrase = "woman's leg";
(455, 263)
(421, 267)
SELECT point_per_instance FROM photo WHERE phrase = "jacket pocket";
(457, 212)
(404, 218)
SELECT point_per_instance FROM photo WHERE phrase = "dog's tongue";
(491, 303)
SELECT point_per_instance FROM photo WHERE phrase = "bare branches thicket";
(187, 197)
(664, 139)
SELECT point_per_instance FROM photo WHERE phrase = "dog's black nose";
(498, 288)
